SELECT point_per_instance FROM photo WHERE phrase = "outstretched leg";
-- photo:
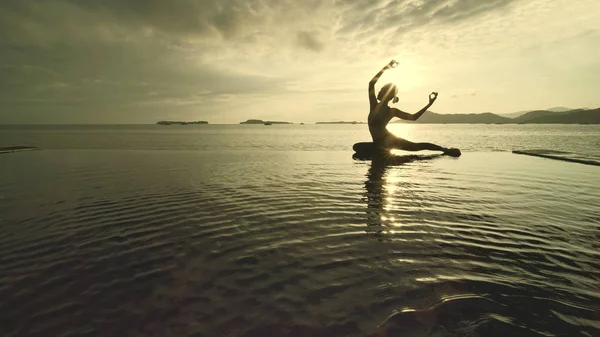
(403, 144)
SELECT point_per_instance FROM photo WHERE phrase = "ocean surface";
(252, 230)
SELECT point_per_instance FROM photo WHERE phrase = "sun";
(408, 75)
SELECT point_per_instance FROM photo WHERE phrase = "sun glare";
(408, 75)
(402, 130)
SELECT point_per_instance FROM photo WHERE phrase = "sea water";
(252, 230)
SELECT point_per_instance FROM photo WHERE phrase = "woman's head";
(388, 92)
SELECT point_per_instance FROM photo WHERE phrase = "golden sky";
(128, 61)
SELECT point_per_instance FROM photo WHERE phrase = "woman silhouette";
(381, 113)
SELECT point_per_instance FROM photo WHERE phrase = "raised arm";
(372, 97)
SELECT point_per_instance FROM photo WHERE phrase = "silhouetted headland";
(180, 122)
(340, 122)
(260, 121)
(521, 113)
(10, 149)
(554, 116)
(577, 116)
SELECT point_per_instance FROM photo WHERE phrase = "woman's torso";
(379, 117)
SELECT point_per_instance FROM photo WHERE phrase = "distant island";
(341, 122)
(260, 121)
(180, 123)
(558, 116)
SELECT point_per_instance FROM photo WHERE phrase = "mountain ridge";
(559, 116)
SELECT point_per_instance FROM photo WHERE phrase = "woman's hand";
(374, 80)
(391, 65)
(432, 97)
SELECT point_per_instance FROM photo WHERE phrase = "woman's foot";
(452, 152)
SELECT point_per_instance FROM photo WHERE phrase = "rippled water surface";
(269, 231)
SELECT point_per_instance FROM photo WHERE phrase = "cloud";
(463, 93)
(193, 53)
(400, 17)
(310, 41)
(225, 20)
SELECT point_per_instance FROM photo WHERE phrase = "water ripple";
(438, 247)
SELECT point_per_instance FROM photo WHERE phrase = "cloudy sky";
(225, 61)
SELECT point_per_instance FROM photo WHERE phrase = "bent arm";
(421, 112)
(410, 117)
(403, 115)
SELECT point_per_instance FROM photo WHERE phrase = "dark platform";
(369, 149)
(393, 160)
(561, 155)
(10, 149)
